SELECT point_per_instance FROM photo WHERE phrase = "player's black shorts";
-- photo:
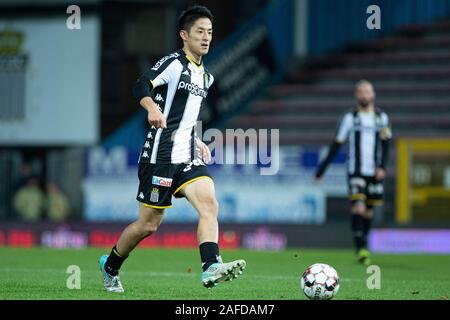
(158, 182)
(366, 189)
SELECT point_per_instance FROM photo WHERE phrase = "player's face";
(365, 94)
(199, 36)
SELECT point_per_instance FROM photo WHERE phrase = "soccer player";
(368, 131)
(172, 160)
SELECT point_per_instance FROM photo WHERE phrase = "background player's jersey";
(364, 130)
(178, 86)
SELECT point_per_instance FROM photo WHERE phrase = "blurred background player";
(172, 92)
(368, 131)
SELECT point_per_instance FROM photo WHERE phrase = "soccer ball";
(320, 282)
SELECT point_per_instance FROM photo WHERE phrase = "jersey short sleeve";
(385, 130)
(164, 71)
(344, 128)
(211, 80)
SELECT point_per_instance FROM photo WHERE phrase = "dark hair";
(191, 14)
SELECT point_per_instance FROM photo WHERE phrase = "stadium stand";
(410, 71)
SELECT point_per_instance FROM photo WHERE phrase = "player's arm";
(341, 137)
(386, 137)
(385, 146)
(162, 73)
(142, 92)
(332, 152)
(203, 149)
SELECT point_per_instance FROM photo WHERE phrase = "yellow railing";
(406, 193)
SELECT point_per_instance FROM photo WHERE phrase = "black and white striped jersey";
(364, 132)
(178, 86)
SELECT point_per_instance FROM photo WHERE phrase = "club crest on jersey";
(192, 88)
(154, 196)
(160, 181)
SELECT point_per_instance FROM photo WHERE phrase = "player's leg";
(360, 232)
(147, 224)
(154, 195)
(198, 188)
(200, 194)
(367, 221)
(375, 196)
(358, 197)
(358, 211)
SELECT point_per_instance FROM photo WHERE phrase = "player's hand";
(156, 118)
(204, 151)
(380, 174)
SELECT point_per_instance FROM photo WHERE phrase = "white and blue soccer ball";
(320, 282)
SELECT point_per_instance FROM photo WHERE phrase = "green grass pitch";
(174, 274)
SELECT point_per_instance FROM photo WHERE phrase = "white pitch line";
(162, 274)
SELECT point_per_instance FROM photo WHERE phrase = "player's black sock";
(209, 253)
(367, 223)
(357, 230)
(114, 262)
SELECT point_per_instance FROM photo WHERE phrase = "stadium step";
(346, 89)
(409, 69)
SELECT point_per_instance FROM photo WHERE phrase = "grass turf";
(173, 274)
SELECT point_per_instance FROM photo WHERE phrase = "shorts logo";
(358, 182)
(154, 196)
(376, 188)
(159, 181)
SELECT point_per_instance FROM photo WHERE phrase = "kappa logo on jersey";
(159, 181)
(186, 73)
(160, 62)
(141, 195)
(193, 89)
(159, 98)
(149, 136)
(147, 144)
(145, 154)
